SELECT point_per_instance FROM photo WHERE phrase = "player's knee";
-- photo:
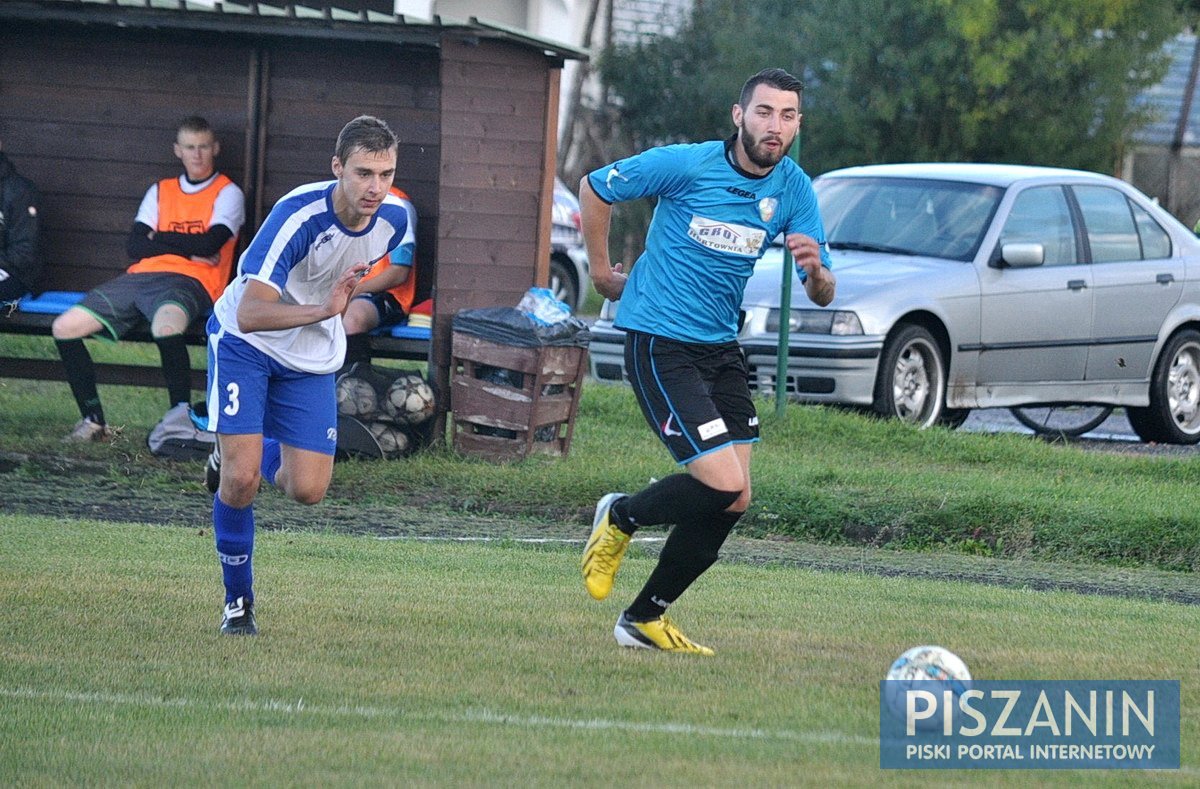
(741, 503)
(307, 495)
(239, 485)
(67, 326)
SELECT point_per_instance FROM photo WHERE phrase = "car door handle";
(1165, 279)
(1076, 284)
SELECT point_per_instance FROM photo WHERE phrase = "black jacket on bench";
(19, 254)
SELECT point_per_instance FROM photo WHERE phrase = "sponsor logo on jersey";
(613, 173)
(726, 236)
(733, 190)
(711, 429)
(322, 241)
(669, 431)
(766, 208)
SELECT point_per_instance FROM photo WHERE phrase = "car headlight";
(838, 322)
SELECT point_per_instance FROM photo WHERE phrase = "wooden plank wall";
(313, 88)
(494, 104)
(91, 116)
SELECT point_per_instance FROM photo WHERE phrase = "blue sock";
(234, 530)
(272, 458)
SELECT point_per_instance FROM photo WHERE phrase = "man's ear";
(736, 112)
(336, 166)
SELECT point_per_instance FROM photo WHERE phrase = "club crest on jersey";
(726, 236)
(766, 208)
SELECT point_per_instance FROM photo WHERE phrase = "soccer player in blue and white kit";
(720, 204)
(276, 340)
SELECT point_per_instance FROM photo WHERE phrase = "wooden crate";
(509, 402)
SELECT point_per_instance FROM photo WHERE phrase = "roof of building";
(292, 20)
(1166, 100)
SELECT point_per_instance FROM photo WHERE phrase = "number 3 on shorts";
(234, 405)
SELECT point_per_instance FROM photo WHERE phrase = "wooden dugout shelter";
(91, 92)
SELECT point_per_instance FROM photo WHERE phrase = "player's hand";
(805, 251)
(612, 286)
(339, 297)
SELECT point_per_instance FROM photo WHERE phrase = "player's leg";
(170, 303)
(107, 310)
(700, 402)
(301, 429)
(361, 317)
(238, 383)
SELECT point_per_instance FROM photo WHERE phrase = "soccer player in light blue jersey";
(276, 339)
(720, 203)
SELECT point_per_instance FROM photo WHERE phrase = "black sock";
(358, 349)
(81, 375)
(672, 499)
(176, 367)
(690, 549)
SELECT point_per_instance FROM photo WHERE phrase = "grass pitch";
(435, 663)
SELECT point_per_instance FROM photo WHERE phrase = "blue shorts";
(249, 393)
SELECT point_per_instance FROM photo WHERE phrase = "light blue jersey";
(301, 250)
(713, 222)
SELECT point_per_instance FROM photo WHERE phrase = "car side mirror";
(1022, 255)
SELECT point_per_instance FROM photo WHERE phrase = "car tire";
(911, 385)
(1173, 416)
(562, 284)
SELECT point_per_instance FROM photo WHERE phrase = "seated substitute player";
(719, 205)
(20, 262)
(385, 295)
(183, 240)
(275, 340)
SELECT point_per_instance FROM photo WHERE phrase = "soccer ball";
(914, 670)
(409, 400)
(392, 440)
(356, 397)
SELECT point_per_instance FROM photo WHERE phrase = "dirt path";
(57, 487)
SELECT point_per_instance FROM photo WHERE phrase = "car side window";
(1108, 218)
(1041, 215)
(1156, 243)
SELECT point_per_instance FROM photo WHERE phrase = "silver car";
(967, 286)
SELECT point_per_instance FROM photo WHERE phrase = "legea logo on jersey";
(726, 236)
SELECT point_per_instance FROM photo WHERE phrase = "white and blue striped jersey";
(713, 222)
(301, 250)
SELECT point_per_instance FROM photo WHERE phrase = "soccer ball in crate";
(356, 397)
(410, 399)
(393, 441)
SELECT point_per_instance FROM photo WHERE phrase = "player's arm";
(144, 241)
(819, 282)
(261, 308)
(391, 276)
(595, 217)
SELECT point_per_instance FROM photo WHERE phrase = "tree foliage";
(1034, 81)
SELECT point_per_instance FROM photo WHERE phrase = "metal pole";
(785, 316)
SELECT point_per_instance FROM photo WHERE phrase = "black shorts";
(695, 396)
(389, 310)
(124, 303)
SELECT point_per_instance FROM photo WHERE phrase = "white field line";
(570, 540)
(476, 716)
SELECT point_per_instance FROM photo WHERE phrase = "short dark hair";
(197, 124)
(775, 77)
(366, 133)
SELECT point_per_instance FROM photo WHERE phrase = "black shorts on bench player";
(182, 242)
(720, 204)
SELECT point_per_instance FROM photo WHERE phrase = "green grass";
(434, 663)
(820, 475)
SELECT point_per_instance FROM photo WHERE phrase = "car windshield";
(906, 216)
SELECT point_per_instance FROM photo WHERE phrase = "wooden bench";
(33, 317)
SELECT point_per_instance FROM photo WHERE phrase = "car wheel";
(563, 285)
(1173, 416)
(1069, 421)
(912, 378)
